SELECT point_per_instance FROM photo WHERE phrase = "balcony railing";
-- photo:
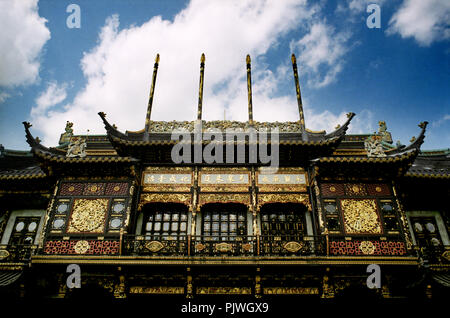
(155, 245)
(433, 254)
(222, 246)
(205, 246)
(16, 253)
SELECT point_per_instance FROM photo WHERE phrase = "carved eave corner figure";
(374, 143)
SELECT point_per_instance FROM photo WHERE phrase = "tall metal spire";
(200, 89)
(249, 90)
(152, 92)
(299, 95)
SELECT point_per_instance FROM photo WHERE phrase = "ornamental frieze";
(156, 290)
(167, 188)
(205, 198)
(291, 291)
(82, 247)
(164, 198)
(224, 290)
(367, 248)
(170, 126)
(264, 198)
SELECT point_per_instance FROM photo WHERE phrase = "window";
(165, 221)
(332, 216)
(283, 222)
(24, 230)
(426, 232)
(224, 221)
(390, 222)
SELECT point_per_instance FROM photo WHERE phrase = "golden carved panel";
(283, 198)
(290, 291)
(154, 246)
(230, 188)
(360, 216)
(81, 247)
(224, 198)
(224, 290)
(293, 246)
(281, 188)
(367, 247)
(165, 198)
(156, 290)
(88, 216)
(166, 188)
(169, 169)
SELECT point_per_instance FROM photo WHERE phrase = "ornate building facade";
(140, 225)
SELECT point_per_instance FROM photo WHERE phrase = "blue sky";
(50, 73)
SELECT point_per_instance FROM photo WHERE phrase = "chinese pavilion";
(140, 225)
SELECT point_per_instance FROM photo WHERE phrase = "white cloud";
(53, 95)
(322, 51)
(425, 21)
(4, 96)
(118, 69)
(440, 121)
(21, 40)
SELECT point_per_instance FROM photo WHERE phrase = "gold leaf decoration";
(3, 254)
(224, 198)
(283, 198)
(88, 216)
(165, 198)
(293, 246)
(199, 247)
(367, 247)
(154, 246)
(81, 247)
(223, 247)
(360, 216)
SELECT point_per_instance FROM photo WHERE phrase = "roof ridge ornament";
(77, 147)
(67, 134)
(373, 146)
